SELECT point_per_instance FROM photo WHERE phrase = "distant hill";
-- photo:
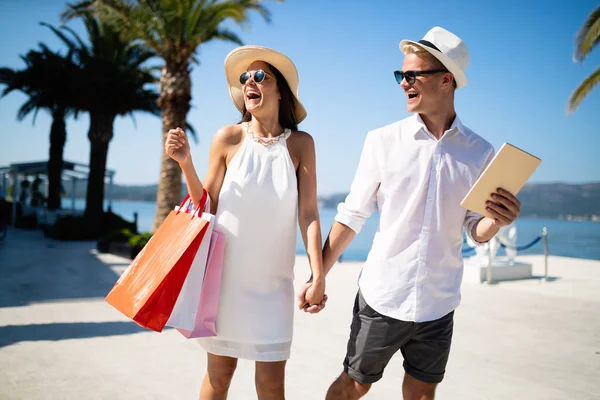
(121, 192)
(544, 200)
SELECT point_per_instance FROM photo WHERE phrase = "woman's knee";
(270, 379)
(220, 371)
(270, 388)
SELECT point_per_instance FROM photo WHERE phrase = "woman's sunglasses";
(259, 76)
(411, 76)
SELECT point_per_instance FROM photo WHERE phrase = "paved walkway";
(59, 340)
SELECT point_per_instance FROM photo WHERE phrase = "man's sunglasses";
(259, 76)
(411, 76)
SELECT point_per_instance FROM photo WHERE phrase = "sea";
(578, 239)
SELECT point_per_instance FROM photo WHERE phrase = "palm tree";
(47, 82)
(587, 38)
(174, 29)
(112, 81)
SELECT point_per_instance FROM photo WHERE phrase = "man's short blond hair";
(433, 62)
(429, 58)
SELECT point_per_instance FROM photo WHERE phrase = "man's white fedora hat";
(448, 48)
(238, 61)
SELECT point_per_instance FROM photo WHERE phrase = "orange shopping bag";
(149, 287)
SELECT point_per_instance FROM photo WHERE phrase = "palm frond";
(225, 34)
(7, 77)
(256, 5)
(583, 90)
(136, 21)
(131, 19)
(27, 107)
(78, 9)
(588, 36)
(68, 42)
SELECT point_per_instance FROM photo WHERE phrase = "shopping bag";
(208, 307)
(186, 306)
(148, 289)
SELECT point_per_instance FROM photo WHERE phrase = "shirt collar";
(417, 124)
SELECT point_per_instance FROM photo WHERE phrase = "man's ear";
(448, 80)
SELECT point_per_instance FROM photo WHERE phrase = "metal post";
(5, 185)
(73, 188)
(489, 267)
(110, 192)
(545, 236)
(15, 197)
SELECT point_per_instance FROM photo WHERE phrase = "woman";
(261, 179)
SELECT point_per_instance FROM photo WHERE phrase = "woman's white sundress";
(257, 212)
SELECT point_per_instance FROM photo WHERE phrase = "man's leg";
(346, 388)
(425, 357)
(414, 389)
(374, 339)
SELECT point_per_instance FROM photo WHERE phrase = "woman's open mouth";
(253, 96)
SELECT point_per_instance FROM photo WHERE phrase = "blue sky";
(520, 77)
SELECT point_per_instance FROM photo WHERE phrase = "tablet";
(510, 169)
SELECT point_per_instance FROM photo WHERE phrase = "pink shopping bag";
(208, 307)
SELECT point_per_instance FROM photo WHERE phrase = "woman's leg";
(218, 376)
(270, 377)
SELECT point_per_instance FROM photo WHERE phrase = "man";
(416, 171)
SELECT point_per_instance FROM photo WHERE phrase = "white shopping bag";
(186, 307)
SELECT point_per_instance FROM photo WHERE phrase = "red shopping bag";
(149, 287)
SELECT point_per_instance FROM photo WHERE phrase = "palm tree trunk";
(174, 102)
(100, 135)
(58, 137)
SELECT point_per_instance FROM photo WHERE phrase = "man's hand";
(504, 207)
(303, 304)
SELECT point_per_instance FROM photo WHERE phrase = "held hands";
(504, 207)
(312, 297)
(177, 146)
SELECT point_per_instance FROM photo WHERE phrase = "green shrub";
(80, 228)
(140, 240)
(122, 235)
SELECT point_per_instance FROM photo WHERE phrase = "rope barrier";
(468, 250)
(520, 248)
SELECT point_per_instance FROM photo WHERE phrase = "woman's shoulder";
(229, 135)
(302, 139)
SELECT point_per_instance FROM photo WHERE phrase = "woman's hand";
(309, 293)
(177, 146)
(316, 292)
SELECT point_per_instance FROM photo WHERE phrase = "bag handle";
(187, 200)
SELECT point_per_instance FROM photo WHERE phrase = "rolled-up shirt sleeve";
(470, 220)
(472, 217)
(361, 201)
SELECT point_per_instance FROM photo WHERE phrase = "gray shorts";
(375, 338)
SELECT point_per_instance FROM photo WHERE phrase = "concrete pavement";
(60, 340)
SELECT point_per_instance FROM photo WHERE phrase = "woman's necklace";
(265, 141)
